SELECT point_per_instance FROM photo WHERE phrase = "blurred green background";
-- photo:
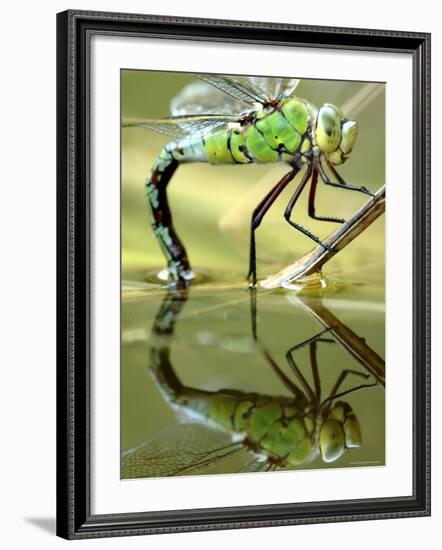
(212, 206)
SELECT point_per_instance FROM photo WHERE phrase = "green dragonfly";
(244, 120)
(272, 431)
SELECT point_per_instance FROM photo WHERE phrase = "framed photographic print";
(243, 274)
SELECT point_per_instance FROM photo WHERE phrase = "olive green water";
(212, 346)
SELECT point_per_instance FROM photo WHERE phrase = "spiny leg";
(311, 202)
(293, 388)
(342, 377)
(156, 184)
(314, 366)
(316, 337)
(334, 395)
(266, 354)
(258, 215)
(253, 314)
(311, 342)
(301, 378)
(341, 184)
(291, 204)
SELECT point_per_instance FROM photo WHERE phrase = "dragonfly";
(224, 120)
(272, 432)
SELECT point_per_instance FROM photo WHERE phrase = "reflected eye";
(328, 129)
(352, 431)
(349, 135)
(331, 440)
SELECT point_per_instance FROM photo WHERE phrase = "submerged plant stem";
(313, 261)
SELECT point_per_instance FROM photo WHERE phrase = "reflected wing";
(178, 449)
(257, 464)
(182, 126)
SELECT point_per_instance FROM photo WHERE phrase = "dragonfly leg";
(334, 392)
(311, 202)
(173, 248)
(312, 343)
(316, 337)
(265, 353)
(342, 377)
(314, 366)
(258, 215)
(290, 206)
(301, 378)
(253, 314)
(341, 183)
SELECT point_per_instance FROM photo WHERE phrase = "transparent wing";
(273, 87)
(237, 88)
(182, 126)
(257, 464)
(228, 95)
(178, 449)
(250, 90)
(216, 101)
(201, 97)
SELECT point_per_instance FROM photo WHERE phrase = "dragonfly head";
(339, 431)
(335, 135)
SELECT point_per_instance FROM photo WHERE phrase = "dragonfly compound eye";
(349, 133)
(331, 440)
(352, 429)
(328, 128)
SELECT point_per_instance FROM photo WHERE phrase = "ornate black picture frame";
(74, 32)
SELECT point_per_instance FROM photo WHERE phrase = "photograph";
(252, 274)
(224, 262)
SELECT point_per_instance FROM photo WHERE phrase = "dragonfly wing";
(273, 87)
(200, 97)
(214, 102)
(252, 89)
(257, 464)
(178, 449)
(182, 126)
(235, 87)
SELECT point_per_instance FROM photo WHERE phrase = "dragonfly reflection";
(272, 431)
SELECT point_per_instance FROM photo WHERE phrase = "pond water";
(209, 344)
